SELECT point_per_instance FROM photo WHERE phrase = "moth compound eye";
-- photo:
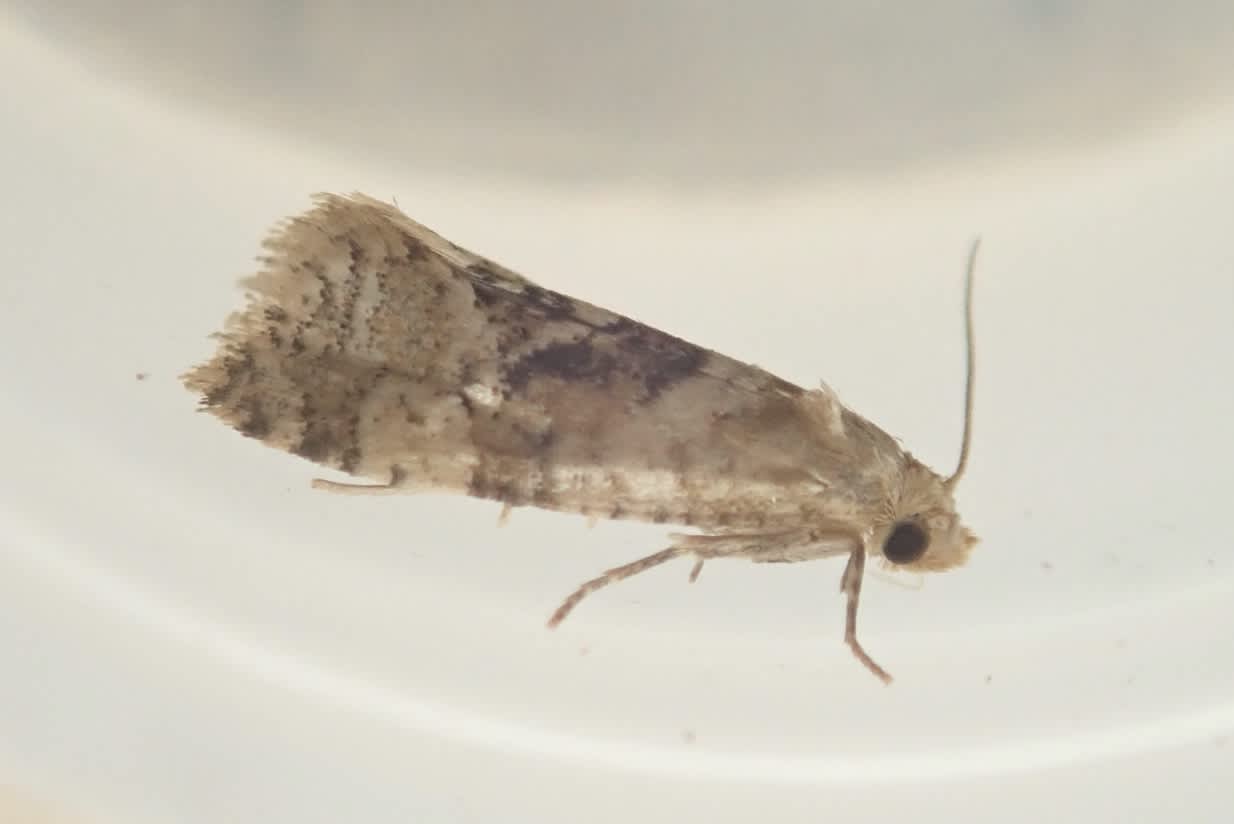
(906, 543)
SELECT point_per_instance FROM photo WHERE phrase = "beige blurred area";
(16, 807)
(677, 92)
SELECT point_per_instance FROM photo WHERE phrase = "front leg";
(850, 585)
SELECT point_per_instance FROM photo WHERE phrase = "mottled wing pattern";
(375, 346)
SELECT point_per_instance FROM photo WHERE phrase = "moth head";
(925, 534)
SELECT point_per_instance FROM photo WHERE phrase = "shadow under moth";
(374, 346)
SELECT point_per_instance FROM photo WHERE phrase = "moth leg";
(390, 487)
(612, 576)
(344, 488)
(698, 567)
(900, 578)
(850, 585)
(504, 517)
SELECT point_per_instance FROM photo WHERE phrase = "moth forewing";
(371, 345)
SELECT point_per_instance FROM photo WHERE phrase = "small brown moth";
(374, 346)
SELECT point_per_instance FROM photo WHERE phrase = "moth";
(371, 345)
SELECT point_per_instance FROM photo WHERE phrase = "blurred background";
(685, 92)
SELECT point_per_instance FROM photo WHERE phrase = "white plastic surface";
(189, 633)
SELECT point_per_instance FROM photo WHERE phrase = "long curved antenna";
(962, 463)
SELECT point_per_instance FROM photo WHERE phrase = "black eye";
(906, 543)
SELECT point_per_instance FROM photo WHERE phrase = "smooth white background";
(188, 632)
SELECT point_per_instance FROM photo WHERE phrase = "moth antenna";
(971, 368)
